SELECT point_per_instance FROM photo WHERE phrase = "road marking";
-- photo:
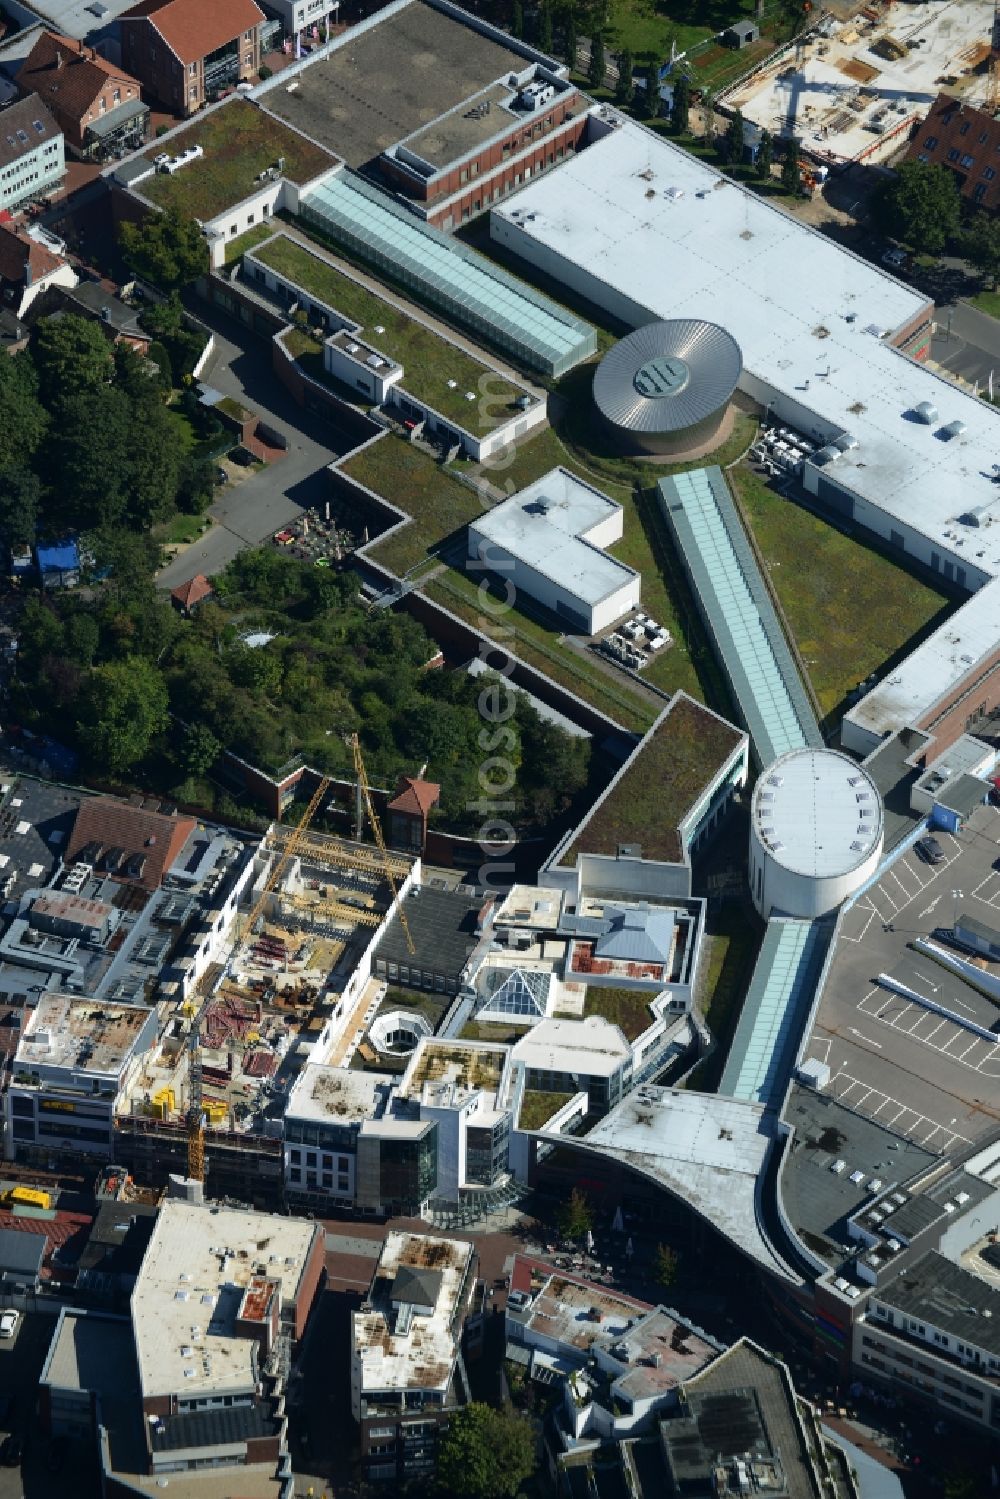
(867, 1039)
(923, 976)
(928, 909)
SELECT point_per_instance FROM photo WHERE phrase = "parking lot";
(928, 1076)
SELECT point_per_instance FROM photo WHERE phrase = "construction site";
(210, 1096)
(850, 90)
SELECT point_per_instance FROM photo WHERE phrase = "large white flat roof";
(707, 1150)
(199, 1263)
(678, 239)
(593, 1047)
(544, 526)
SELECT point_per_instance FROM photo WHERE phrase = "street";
(967, 343)
(247, 513)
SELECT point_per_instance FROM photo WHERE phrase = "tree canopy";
(920, 206)
(166, 248)
(981, 246)
(329, 668)
(485, 1453)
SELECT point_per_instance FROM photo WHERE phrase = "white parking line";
(844, 1084)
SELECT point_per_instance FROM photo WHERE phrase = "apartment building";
(32, 153)
(186, 53)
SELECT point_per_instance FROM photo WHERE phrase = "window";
(964, 129)
(979, 192)
(930, 143)
(102, 104)
(953, 155)
(193, 70)
(967, 162)
(982, 139)
(248, 60)
(989, 173)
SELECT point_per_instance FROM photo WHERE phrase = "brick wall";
(311, 1277)
(978, 691)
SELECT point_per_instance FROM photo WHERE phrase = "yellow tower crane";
(366, 796)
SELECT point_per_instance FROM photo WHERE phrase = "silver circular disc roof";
(667, 376)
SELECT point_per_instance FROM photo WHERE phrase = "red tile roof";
(191, 28)
(18, 254)
(966, 141)
(415, 796)
(158, 837)
(69, 76)
(191, 593)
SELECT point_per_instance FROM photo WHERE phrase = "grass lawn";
(184, 433)
(988, 302)
(411, 479)
(628, 1008)
(236, 248)
(660, 786)
(500, 1033)
(432, 1007)
(537, 644)
(307, 352)
(182, 529)
(688, 663)
(849, 606)
(537, 1107)
(429, 361)
(239, 141)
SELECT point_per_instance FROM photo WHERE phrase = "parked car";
(930, 849)
(8, 1324)
(895, 259)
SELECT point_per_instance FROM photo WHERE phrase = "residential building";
(131, 842)
(72, 1065)
(119, 322)
(620, 1361)
(187, 596)
(406, 1365)
(185, 53)
(27, 270)
(97, 106)
(930, 1332)
(32, 155)
(196, 1376)
(966, 140)
(300, 16)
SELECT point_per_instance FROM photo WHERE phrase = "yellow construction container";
(163, 1103)
(215, 1110)
(28, 1197)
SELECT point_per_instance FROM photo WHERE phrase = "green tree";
(570, 36)
(598, 65)
(680, 106)
(195, 484)
(731, 144)
(485, 1453)
(575, 1216)
(23, 424)
(166, 248)
(82, 637)
(158, 356)
(625, 87)
(20, 499)
(665, 1264)
(153, 459)
(199, 750)
(123, 706)
(545, 26)
(765, 155)
(791, 173)
(517, 19)
(87, 460)
(920, 206)
(963, 1483)
(72, 358)
(981, 246)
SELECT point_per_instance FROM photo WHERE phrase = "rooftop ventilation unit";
(950, 430)
(925, 413)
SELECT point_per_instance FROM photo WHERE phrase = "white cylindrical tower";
(816, 826)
